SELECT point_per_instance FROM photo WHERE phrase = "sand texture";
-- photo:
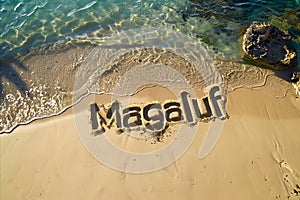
(256, 157)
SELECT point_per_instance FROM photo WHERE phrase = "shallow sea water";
(42, 43)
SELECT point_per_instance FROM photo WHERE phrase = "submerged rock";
(268, 46)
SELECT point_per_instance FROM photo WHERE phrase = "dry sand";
(256, 157)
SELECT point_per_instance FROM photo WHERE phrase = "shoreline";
(28, 75)
(252, 77)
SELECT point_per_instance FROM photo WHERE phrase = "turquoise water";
(29, 91)
(219, 24)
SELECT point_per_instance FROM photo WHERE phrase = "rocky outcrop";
(295, 79)
(268, 46)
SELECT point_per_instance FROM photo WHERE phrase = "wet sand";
(256, 157)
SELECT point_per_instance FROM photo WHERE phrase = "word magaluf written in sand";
(154, 117)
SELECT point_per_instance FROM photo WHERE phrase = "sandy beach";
(256, 157)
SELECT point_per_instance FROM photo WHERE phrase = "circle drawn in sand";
(100, 64)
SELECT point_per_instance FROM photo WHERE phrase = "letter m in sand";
(102, 119)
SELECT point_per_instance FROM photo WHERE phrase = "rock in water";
(268, 46)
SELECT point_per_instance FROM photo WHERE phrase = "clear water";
(27, 92)
(217, 23)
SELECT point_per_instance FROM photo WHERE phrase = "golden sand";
(256, 157)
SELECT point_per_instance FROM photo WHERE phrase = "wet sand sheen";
(40, 84)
